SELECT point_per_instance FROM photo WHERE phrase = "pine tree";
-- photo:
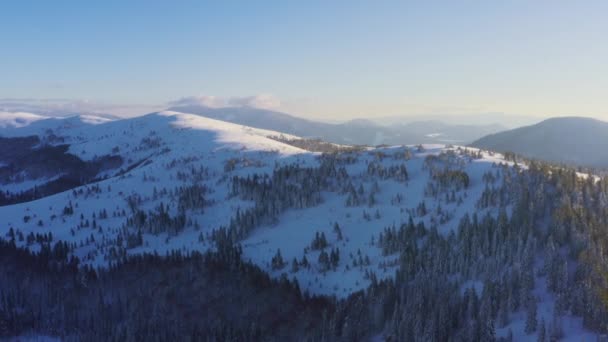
(277, 262)
(294, 266)
(555, 329)
(371, 201)
(323, 261)
(531, 320)
(488, 332)
(319, 242)
(334, 258)
(338, 231)
(541, 331)
(304, 261)
(361, 191)
(503, 313)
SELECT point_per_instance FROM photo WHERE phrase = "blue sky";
(322, 59)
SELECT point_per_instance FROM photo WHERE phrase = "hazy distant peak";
(361, 122)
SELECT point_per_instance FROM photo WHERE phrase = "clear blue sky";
(320, 58)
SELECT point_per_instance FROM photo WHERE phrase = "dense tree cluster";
(195, 297)
(289, 186)
(397, 172)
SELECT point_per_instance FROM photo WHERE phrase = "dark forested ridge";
(570, 140)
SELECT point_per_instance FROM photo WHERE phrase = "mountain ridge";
(573, 140)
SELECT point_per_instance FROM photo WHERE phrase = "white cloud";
(18, 119)
(202, 100)
(262, 101)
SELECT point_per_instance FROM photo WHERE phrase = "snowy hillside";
(333, 221)
(166, 145)
(23, 124)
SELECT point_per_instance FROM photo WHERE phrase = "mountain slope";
(570, 140)
(56, 154)
(359, 131)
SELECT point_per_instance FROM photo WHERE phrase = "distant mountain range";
(359, 131)
(570, 140)
(509, 121)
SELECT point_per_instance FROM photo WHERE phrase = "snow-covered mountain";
(337, 222)
(358, 131)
